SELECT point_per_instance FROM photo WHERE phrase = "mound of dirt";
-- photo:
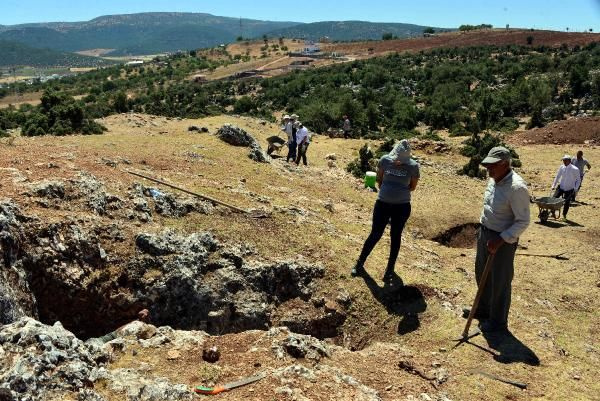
(576, 130)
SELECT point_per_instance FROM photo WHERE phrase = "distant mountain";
(18, 54)
(145, 33)
(350, 30)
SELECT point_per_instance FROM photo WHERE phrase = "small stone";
(211, 355)
(388, 388)
(576, 377)
(436, 364)
(443, 349)
(173, 354)
(426, 397)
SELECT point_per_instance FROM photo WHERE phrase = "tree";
(429, 30)
(577, 81)
(529, 40)
(387, 36)
(120, 103)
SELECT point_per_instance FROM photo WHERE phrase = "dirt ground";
(495, 37)
(554, 316)
(574, 130)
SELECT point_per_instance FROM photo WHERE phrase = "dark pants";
(291, 151)
(347, 134)
(568, 195)
(578, 189)
(495, 299)
(302, 153)
(384, 213)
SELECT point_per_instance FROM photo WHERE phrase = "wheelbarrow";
(275, 144)
(548, 205)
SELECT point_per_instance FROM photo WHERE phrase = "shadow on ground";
(398, 299)
(561, 224)
(510, 349)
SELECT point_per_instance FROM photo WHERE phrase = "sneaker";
(357, 270)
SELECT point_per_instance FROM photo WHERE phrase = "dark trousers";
(568, 195)
(384, 213)
(347, 134)
(578, 189)
(302, 153)
(495, 299)
(291, 151)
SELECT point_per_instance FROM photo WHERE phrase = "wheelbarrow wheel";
(544, 215)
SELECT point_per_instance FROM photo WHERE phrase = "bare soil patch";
(492, 37)
(584, 130)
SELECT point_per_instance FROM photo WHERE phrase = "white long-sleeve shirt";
(568, 176)
(301, 134)
(506, 207)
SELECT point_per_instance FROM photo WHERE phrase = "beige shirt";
(506, 207)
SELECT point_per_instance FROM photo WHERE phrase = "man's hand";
(494, 244)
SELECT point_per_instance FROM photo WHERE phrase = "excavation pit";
(461, 236)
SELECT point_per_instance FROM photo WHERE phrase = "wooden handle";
(482, 281)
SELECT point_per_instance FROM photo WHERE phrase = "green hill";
(17, 54)
(350, 30)
(145, 33)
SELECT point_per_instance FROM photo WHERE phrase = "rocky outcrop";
(16, 299)
(40, 362)
(188, 281)
(238, 137)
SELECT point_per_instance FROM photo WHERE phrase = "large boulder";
(238, 137)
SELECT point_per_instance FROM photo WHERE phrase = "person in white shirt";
(580, 163)
(568, 180)
(303, 140)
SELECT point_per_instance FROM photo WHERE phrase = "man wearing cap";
(568, 179)
(580, 163)
(504, 217)
(288, 129)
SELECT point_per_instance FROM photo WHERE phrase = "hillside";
(17, 54)
(144, 33)
(87, 231)
(349, 30)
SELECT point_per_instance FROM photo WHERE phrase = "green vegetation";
(59, 114)
(367, 159)
(351, 30)
(143, 33)
(477, 148)
(466, 91)
(14, 53)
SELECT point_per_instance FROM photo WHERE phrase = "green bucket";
(370, 177)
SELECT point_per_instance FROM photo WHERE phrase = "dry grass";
(555, 303)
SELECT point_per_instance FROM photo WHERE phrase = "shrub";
(477, 148)
(364, 163)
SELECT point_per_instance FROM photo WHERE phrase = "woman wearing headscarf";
(397, 177)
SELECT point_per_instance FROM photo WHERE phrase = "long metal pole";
(208, 198)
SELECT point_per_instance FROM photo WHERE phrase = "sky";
(577, 15)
